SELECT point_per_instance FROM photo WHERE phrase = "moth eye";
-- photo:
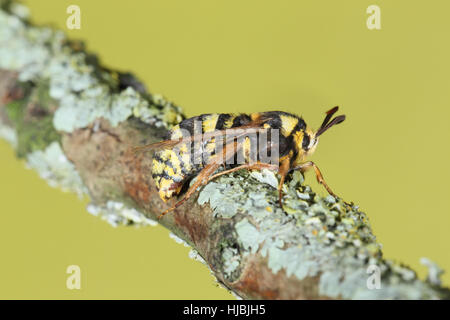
(306, 141)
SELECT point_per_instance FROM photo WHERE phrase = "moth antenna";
(333, 122)
(328, 116)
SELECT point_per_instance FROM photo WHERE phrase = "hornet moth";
(190, 149)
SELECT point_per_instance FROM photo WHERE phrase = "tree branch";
(75, 121)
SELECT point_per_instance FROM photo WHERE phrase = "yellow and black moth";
(200, 146)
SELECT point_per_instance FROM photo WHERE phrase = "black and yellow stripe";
(173, 167)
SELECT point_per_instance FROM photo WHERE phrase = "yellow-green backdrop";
(390, 156)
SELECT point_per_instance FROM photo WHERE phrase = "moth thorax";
(305, 143)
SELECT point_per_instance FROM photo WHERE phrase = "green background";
(390, 156)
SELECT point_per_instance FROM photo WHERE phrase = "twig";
(75, 122)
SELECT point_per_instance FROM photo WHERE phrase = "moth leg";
(248, 166)
(283, 170)
(205, 174)
(308, 165)
(151, 146)
(139, 149)
(202, 178)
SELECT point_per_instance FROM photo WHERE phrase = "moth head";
(307, 140)
(306, 143)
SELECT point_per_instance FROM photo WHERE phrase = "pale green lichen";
(84, 98)
(178, 240)
(23, 49)
(314, 236)
(225, 207)
(434, 271)
(265, 176)
(9, 135)
(117, 213)
(19, 10)
(193, 254)
(84, 91)
(53, 166)
(248, 235)
(231, 261)
(32, 120)
(78, 111)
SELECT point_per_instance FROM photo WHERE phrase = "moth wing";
(231, 133)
